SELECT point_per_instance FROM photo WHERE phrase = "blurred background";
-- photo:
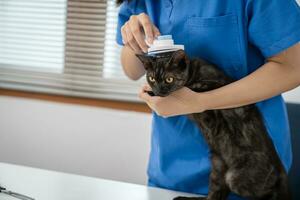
(65, 103)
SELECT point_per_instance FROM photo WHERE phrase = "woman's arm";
(280, 74)
(134, 32)
(132, 66)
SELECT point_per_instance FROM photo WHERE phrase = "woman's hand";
(136, 29)
(180, 102)
(134, 32)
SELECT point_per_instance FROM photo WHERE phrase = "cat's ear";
(146, 60)
(180, 59)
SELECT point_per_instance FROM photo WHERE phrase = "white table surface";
(50, 185)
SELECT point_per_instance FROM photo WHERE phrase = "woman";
(254, 41)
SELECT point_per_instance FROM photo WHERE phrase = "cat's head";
(166, 72)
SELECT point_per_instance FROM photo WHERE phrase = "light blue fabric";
(236, 35)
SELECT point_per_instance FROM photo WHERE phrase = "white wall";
(79, 139)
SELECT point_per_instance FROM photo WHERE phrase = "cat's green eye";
(169, 79)
(151, 79)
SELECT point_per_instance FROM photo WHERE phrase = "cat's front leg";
(218, 189)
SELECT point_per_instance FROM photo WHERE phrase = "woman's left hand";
(180, 102)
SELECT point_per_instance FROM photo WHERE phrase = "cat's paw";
(189, 198)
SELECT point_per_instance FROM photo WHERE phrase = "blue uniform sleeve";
(273, 25)
(125, 12)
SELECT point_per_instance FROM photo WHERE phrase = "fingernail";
(149, 40)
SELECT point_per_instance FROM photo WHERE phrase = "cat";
(244, 159)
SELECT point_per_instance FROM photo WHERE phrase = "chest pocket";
(217, 40)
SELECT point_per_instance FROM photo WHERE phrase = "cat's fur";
(244, 159)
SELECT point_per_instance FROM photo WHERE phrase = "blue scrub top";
(236, 35)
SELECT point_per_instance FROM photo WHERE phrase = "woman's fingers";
(156, 31)
(146, 87)
(131, 42)
(147, 27)
(144, 95)
(136, 29)
(124, 35)
(137, 33)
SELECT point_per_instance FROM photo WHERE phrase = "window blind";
(32, 33)
(85, 62)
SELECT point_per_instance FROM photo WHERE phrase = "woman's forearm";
(132, 66)
(275, 77)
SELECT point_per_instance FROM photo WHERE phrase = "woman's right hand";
(136, 30)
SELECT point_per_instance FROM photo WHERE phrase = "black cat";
(244, 159)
